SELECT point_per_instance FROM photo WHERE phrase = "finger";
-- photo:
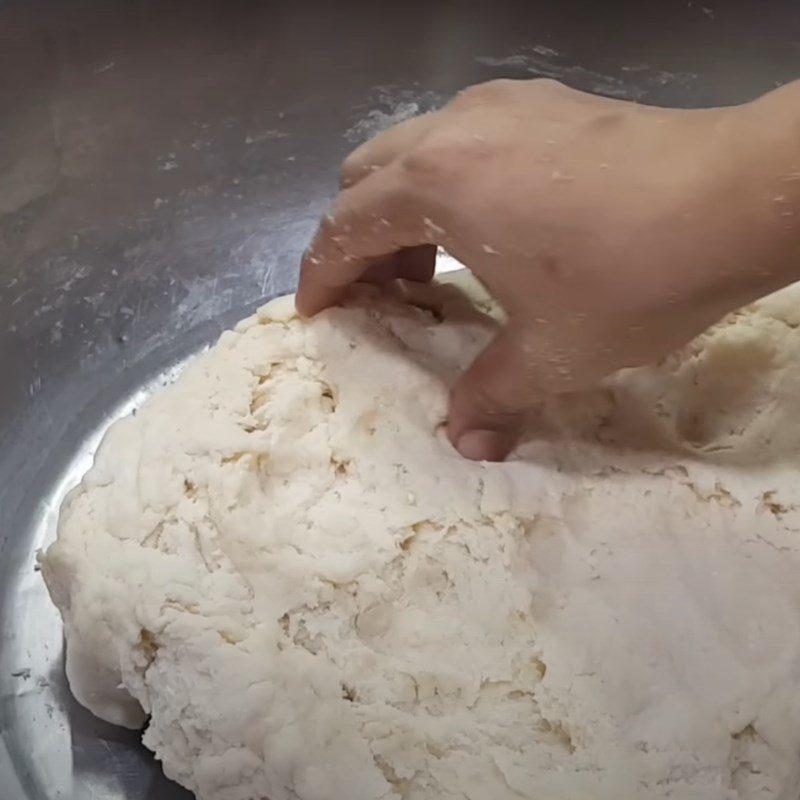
(417, 263)
(385, 148)
(373, 219)
(491, 401)
(411, 264)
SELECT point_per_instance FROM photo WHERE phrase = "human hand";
(610, 232)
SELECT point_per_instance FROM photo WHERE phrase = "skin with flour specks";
(611, 232)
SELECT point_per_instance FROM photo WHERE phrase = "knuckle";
(327, 225)
(420, 163)
(549, 90)
(329, 238)
(348, 172)
(547, 85)
(505, 90)
(432, 166)
(481, 396)
(355, 167)
(488, 402)
(483, 93)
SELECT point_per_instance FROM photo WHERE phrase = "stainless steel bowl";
(162, 165)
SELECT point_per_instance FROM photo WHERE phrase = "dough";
(281, 565)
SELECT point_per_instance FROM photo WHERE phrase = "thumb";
(490, 401)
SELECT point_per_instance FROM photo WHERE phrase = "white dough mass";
(282, 567)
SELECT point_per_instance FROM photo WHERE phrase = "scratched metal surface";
(162, 165)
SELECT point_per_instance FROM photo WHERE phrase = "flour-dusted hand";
(611, 232)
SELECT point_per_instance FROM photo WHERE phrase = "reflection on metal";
(54, 729)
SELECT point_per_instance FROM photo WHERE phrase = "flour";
(281, 565)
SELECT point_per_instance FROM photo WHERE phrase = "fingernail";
(483, 445)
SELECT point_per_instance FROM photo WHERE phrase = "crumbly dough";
(282, 566)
